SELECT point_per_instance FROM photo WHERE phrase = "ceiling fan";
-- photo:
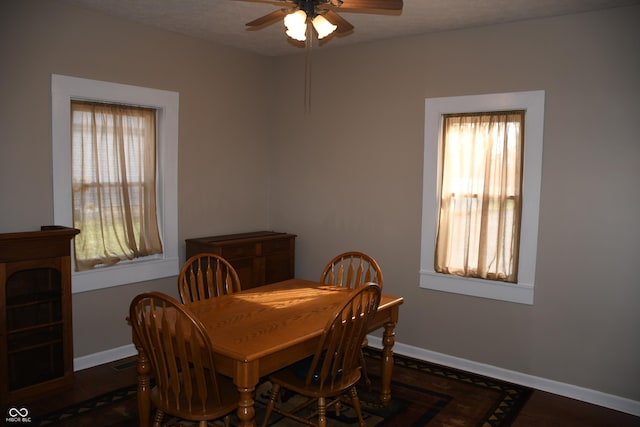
(300, 15)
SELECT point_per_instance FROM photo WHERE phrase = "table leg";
(388, 339)
(246, 410)
(246, 377)
(144, 392)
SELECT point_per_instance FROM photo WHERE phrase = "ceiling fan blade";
(268, 19)
(372, 4)
(274, 2)
(344, 26)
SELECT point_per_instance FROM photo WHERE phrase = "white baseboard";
(567, 390)
(574, 392)
(107, 356)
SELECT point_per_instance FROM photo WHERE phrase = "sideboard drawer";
(229, 252)
(276, 245)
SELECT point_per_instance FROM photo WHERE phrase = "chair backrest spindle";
(339, 348)
(207, 276)
(352, 269)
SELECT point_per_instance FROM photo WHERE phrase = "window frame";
(63, 90)
(533, 103)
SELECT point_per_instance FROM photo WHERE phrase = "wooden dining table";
(260, 330)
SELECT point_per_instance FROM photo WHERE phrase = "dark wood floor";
(542, 409)
(546, 409)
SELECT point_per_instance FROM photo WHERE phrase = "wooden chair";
(334, 368)
(187, 385)
(207, 276)
(350, 270)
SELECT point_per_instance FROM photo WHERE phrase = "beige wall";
(348, 176)
(223, 131)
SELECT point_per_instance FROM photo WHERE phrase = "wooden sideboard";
(36, 348)
(259, 257)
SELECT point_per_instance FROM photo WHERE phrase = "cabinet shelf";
(34, 345)
(23, 301)
(33, 329)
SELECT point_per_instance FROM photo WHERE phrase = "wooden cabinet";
(36, 348)
(259, 257)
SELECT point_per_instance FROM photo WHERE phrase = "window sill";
(124, 274)
(518, 293)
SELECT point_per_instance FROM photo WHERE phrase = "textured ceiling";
(223, 21)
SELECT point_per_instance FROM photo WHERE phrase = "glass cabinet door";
(34, 326)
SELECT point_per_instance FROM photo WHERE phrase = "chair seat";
(291, 379)
(211, 410)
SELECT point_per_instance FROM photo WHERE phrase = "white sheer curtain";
(480, 199)
(114, 183)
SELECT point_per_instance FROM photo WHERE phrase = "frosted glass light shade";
(323, 27)
(296, 24)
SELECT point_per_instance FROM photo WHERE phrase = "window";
(113, 164)
(156, 116)
(479, 218)
(500, 264)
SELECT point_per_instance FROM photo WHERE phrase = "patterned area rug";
(423, 394)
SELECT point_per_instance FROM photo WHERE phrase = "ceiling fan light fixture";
(296, 24)
(323, 27)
